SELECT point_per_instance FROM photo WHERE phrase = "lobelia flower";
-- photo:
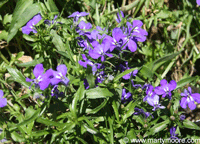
(86, 84)
(154, 101)
(82, 26)
(3, 101)
(127, 76)
(188, 98)
(41, 80)
(125, 96)
(172, 133)
(77, 14)
(94, 66)
(165, 88)
(119, 17)
(198, 2)
(116, 41)
(100, 51)
(150, 93)
(182, 117)
(141, 111)
(136, 85)
(48, 22)
(60, 75)
(55, 92)
(100, 77)
(29, 27)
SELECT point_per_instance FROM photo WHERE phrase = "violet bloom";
(76, 15)
(29, 27)
(166, 88)
(100, 51)
(48, 22)
(139, 33)
(82, 26)
(56, 93)
(41, 80)
(100, 77)
(60, 75)
(125, 96)
(198, 2)
(86, 84)
(94, 66)
(3, 101)
(150, 93)
(154, 101)
(182, 117)
(188, 98)
(127, 76)
(136, 85)
(116, 41)
(141, 111)
(119, 17)
(172, 133)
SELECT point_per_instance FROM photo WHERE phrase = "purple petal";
(159, 90)
(38, 70)
(74, 14)
(196, 97)
(62, 68)
(172, 85)
(189, 90)
(198, 2)
(137, 23)
(29, 80)
(191, 105)
(163, 82)
(55, 81)
(183, 102)
(44, 84)
(26, 30)
(3, 102)
(36, 19)
(117, 34)
(93, 54)
(132, 46)
(1, 93)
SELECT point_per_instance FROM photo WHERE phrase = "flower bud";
(145, 125)
(172, 118)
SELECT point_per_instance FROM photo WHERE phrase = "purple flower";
(3, 101)
(127, 76)
(182, 117)
(55, 92)
(100, 77)
(41, 80)
(100, 51)
(136, 85)
(86, 84)
(154, 101)
(119, 17)
(141, 111)
(198, 2)
(82, 26)
(48, 22)
(76, 15)
(150, 93)
(116, 41)
(125, 96)
(94, 66)
(166, 88)
(188, 98)
(172, 133)
(60, 75)
(29, 27)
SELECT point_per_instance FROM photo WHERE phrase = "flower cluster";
(50, 77)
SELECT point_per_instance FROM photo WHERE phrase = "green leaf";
(57, 41)
(146, 71)
(184, 81)
(49, 123)
(98, 93)
(3, 35)
(31, 63)
(124, 73)
(39, 133)
(157, 63)
(157, 128)
(17, 137)
(90, 130)
(17, 76)
(190, 125)
(24, 11)
(98, 108)
(3, 2)
(52, 6)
